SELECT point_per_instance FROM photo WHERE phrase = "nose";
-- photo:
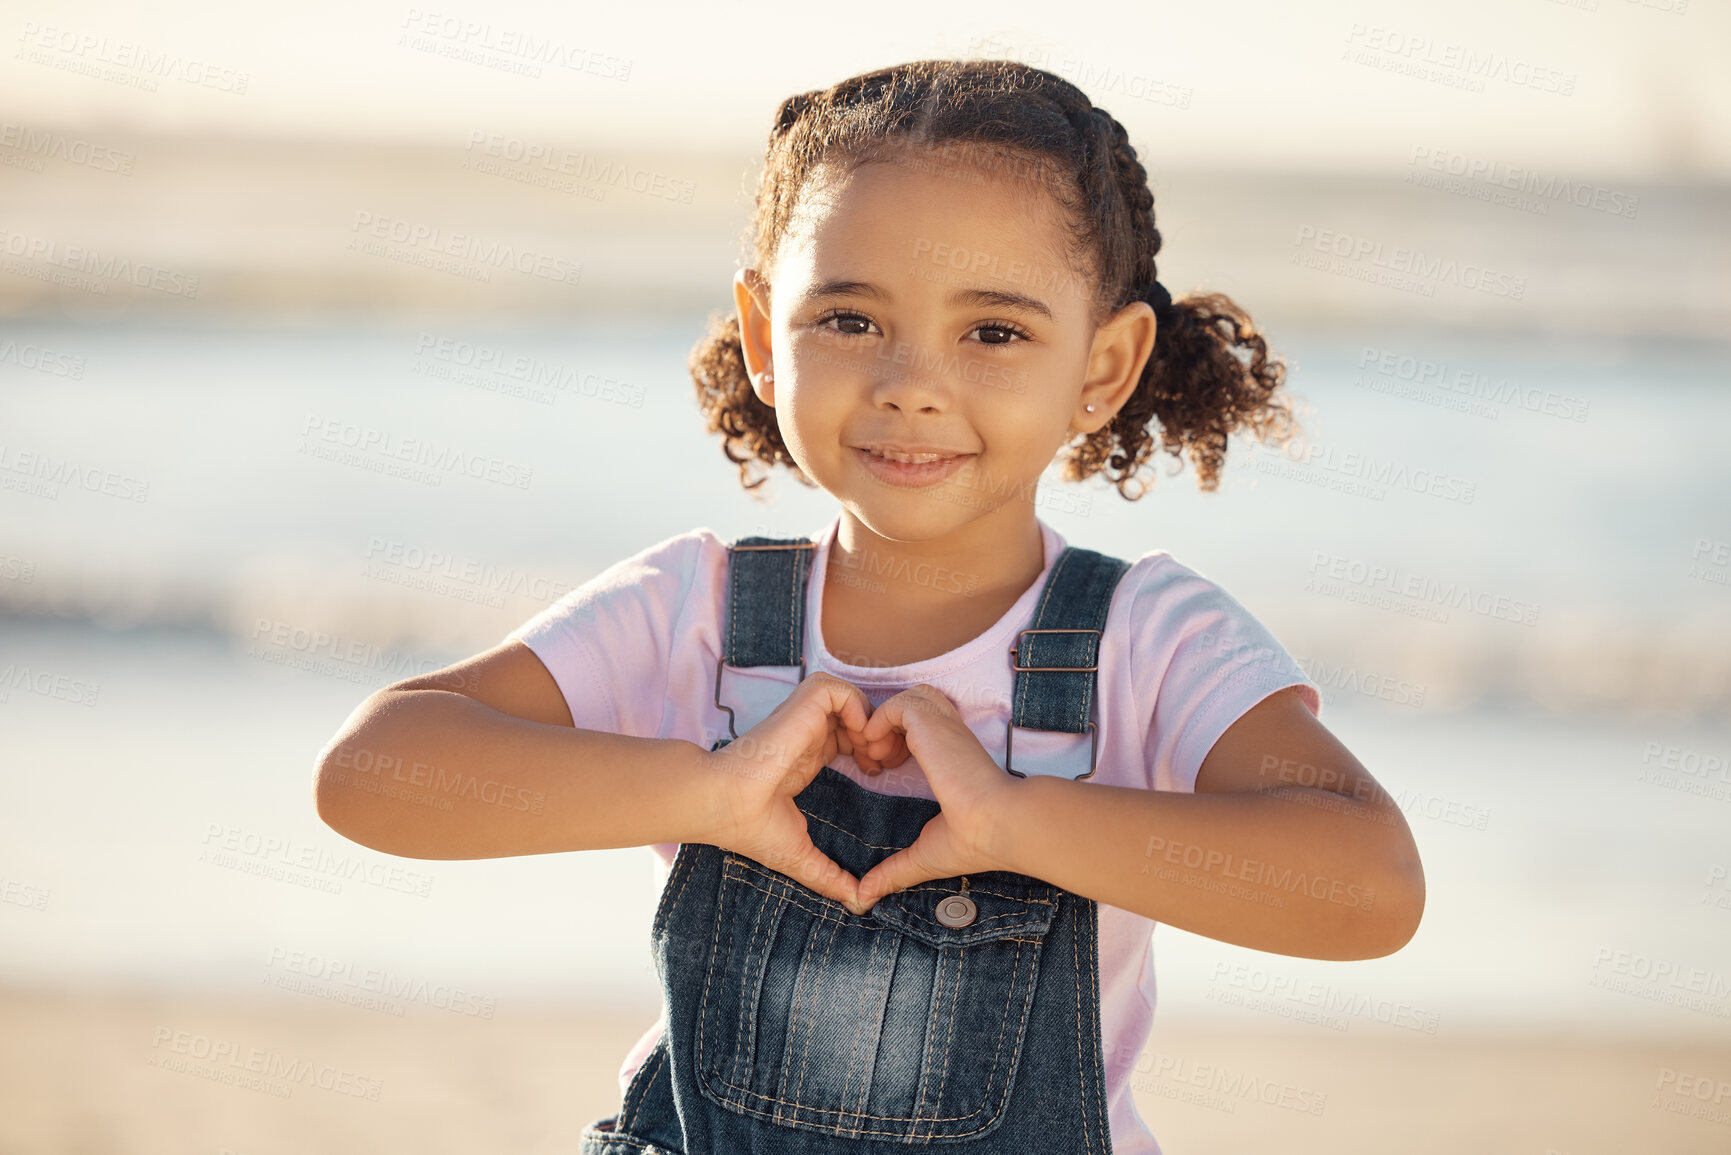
(913, 380)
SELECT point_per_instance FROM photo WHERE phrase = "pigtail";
(1210, 375)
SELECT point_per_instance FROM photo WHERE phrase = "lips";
(911, 454)
(910, 466)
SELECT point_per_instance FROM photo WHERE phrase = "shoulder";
(666, 572)
(639, 598)
(681, 557)
(1163, 595)
(1182, 625)
(611, 642)
(1194, 660)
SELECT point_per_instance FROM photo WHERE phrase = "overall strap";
(1057, 658)
(764, 618)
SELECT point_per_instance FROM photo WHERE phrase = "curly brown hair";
(1210, 373)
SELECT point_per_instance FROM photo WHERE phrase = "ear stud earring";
(1090, 409)
(768, 377)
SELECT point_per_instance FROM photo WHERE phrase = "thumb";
(887, 720)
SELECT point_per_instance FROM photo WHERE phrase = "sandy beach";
(123, 1074)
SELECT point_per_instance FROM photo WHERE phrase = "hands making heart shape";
(759, 773)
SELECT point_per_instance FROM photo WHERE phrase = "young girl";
(927, 778)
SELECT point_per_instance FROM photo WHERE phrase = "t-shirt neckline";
(996, 637)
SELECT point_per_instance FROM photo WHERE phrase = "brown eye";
(844, 320)
(1003, 333)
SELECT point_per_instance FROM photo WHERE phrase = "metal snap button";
(957, 910)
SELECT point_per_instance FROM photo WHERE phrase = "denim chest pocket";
(890, 1025)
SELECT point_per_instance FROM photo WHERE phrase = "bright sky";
(1631, 88)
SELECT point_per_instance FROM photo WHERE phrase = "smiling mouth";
(911, 458)
(909, 469)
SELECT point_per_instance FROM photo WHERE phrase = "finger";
(862, 755)
(819, 872)
(886, 747)
(884, 720)
(849, 703)
(838, 700)
(899, 871)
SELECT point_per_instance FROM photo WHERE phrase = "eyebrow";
(983, 298)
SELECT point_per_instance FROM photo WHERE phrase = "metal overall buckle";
(1093, 730)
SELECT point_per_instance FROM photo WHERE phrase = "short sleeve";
(608, 643)
(1205, 661)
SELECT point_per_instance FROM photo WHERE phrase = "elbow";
(1375, 918)
(1405, 916)
(338, 802)
(1400, 906)
(348, 803)
(332, 798)
(339, 807)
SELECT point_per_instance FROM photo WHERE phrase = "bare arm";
(481, 760)
(1288, 844)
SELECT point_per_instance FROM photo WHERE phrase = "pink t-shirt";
(634, 652)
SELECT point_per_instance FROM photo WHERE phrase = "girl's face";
(933, 315)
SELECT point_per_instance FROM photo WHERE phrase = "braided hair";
(1210, 373)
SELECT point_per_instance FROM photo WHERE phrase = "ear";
(751, 301)
(1121, 348)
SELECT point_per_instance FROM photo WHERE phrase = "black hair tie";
(1157, 296)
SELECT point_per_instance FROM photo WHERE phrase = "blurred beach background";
(1504, 551)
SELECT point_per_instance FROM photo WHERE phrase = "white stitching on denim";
(778, 1115)
(849, 833)
(936, 1006)
(814, 1108)
(709, 974)
(655, 1062)
(950, 1033)
(793, 1019)
(998, 1047)
(743, 1109)
(1081, 1079)
(872, 969)
(917, 888)
(776, 877)
(1045, 597)
(793, 1027)
(733, 583)
(824, 912)
(1092, 925)
(593, 1141)
(1031, 985)
(794, 589)
(748, 1013)
(690, 869)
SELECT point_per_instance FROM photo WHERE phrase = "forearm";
(434, 774)
(1299, 872)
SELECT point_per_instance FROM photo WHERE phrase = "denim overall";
(962, 1012)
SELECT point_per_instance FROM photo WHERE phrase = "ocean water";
(1503, 558)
